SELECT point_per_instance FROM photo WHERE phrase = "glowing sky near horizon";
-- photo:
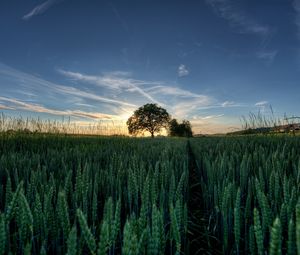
(209, 61)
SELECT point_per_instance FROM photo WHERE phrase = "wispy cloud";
(172, 91)
(227, 103)
(39, 9)
(207, 124)
(80, 93)
(185, 108)
(29, 81)
(85, 105)
(262, 103)
(268, 56)
(182, 71)
(212, 124)
(16, 104)
(117, 81)
(183, 103)
(238, 19)
(78, 99)
(180, 102)
(208, 117)
(264, 107)
(5, 107)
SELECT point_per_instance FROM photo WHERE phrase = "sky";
(207, 61)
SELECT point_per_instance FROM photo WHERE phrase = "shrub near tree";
(183, 129)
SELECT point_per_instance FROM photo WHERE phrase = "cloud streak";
(237, 19)
(40, 9)
(262, 103)
(16, 104)
(5, 107)
(227, 103)
(83, 94)
(210, 117)
(171, 91)
(78, 99)
(185, 108)
(181, 103)
(32, 82)
(268, 56)
(211, 124)
(115, 81)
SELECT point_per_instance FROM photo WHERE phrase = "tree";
(183, 129)
(173, 127)
(149, 117)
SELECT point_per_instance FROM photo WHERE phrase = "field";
(113, 195)
(250, 190)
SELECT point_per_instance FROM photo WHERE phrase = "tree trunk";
(152, 134)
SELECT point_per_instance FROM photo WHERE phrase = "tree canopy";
(183, 129)
(150, 118)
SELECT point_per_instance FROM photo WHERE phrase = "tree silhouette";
(180, 129)
(149, 117)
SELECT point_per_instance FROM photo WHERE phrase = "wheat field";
(116, 195)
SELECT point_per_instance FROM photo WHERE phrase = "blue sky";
(208, 61)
